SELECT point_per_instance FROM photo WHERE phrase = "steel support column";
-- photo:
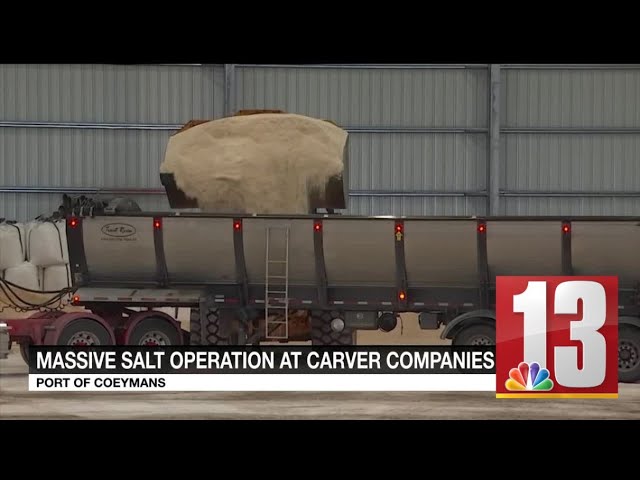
(493, 174)
(229, 89)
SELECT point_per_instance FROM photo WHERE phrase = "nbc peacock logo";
(529, 377)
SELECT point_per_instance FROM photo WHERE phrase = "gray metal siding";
(571, 206)
(105, 96)
(81, 158)
(571, 163)
(570, 130)
(412, 162)
(570, 98)
(27, 206)
(428, 206)
(419, 134)
(370, 97)
(110, 93)
(391, 101)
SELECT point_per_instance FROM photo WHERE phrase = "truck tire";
(155, 331)
(195, 327)
(628, 354)
(323, 334)
(478, 334)
(84, 332)
(216, 327)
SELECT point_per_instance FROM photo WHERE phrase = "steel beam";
(570, 130)
(493, 174)
(89, 125)
(229, 107)
(229, 89)
(84, 190)
(571, 67)
(161, 191)
(579, 194)
(466, 130)
(356, 66)
(414, 193)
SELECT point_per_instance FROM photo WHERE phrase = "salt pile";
(268, 163)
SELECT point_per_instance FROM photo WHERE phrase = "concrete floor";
(16, 402)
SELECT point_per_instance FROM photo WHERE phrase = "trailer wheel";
(84, 332)
(154, 331)
(215, 327)
(628, 354)
(323, 334)
(476, 335)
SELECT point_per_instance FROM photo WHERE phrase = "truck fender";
(58, 325)
(136, 318)
(465, 317)
(634, 321)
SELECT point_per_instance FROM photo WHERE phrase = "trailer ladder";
(276, 301)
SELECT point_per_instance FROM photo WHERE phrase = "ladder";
(276, 295)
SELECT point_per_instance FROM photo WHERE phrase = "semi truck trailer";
(319, 277)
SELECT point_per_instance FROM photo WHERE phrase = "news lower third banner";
(262, 368)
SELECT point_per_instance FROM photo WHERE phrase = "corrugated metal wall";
(94, 126)
(421, 136)
(418, 135)
(570, 140)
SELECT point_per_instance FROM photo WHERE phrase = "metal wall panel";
(571, 206)
(384, 163)
(570, 98)
(370, 97)
(410, 162)
(81, 158)
(26, 206)
(559, 162)
(427, 206)
(388, 100)
(95, 157)
(110, 93)
(589, 147)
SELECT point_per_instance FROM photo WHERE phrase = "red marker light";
(76, 299)
(317, 226)
(237, 225)
(482, 228)
(73, 222)
(566, 228)
(402, 296)
(157, 223)
(398, 227)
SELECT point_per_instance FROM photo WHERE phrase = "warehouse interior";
(424, 139)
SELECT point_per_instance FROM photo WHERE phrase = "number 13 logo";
(556, 336)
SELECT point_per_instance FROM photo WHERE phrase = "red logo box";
(557, 337)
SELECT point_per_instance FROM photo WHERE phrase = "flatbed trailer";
(253, 278)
